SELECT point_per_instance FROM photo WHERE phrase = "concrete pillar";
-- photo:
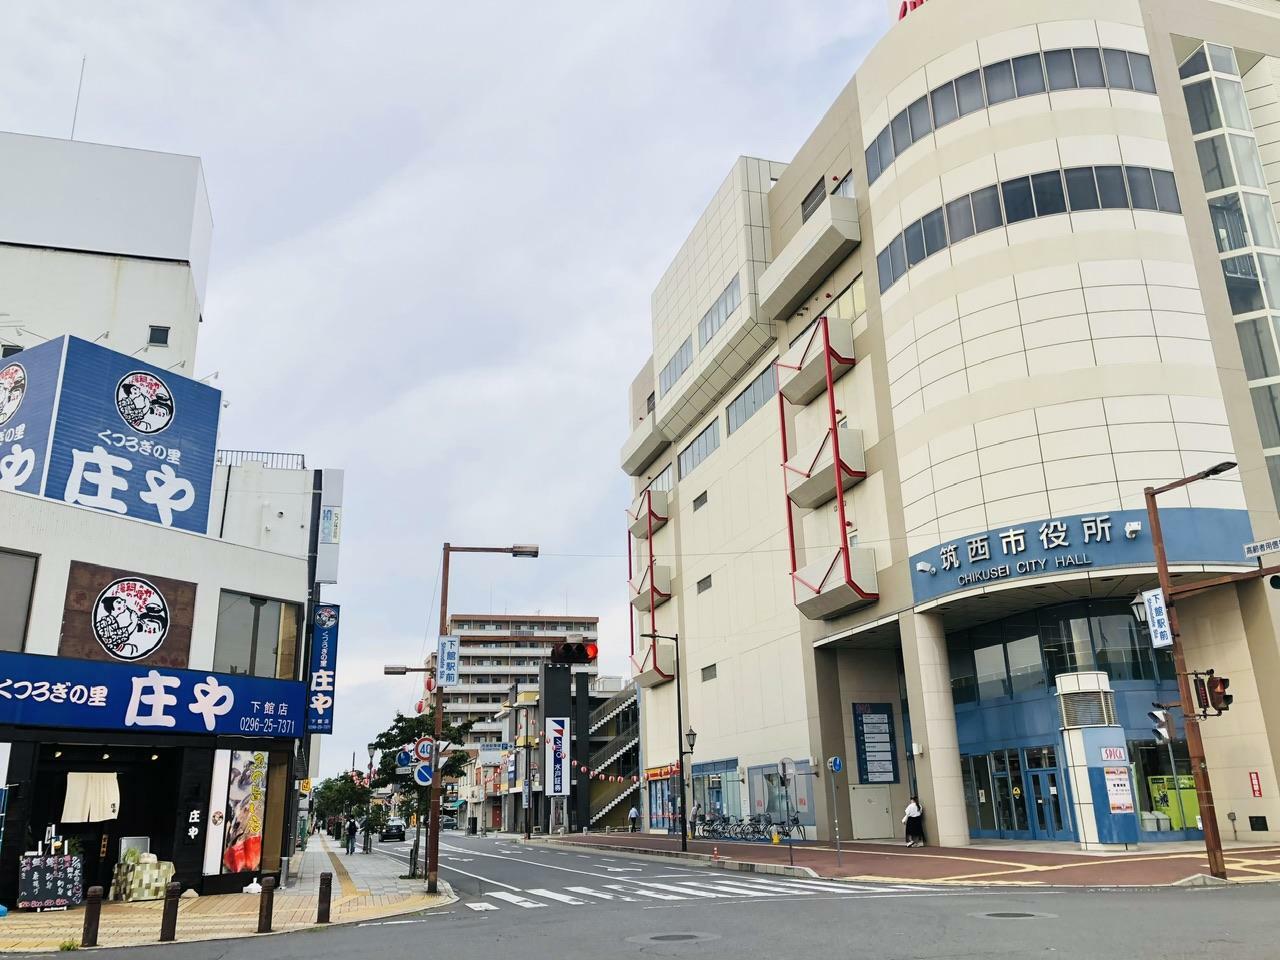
(933, 726)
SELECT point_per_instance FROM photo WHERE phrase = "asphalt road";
(535, 902)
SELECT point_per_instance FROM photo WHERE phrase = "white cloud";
(436, 231)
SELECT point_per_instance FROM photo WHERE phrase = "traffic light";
(1160, 724)
(1202, 693)
(574, 652)
(1219, 699)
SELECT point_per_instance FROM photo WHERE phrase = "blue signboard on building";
(28, 390)
(323, 669)
(874, 743)
(1075, 544)
(39, 691)
(103, 430)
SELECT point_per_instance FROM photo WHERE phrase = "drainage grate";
(1010, 916)
(669, 937)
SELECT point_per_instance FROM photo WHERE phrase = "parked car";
(448, 821)
(393, 829)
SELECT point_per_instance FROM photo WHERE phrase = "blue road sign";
(422, 775)
(835, 764)
(404, 758)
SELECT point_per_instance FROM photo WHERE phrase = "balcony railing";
(802, 372)
(269, 459)
(648, 513)
(811, 473)
(824, 589)
(652, 589)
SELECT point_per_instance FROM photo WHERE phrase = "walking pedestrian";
(634, 816)
(913, 817)
(351, 835)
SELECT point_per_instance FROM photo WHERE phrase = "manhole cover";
(674, 938)
(1013, 915)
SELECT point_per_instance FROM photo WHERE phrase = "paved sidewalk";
(967, 865)
(365, 887)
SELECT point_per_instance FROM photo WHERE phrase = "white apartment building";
(133, 550)
(905, 393)
(497, 652)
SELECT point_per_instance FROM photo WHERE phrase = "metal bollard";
(326, 894)
(266, 902)
(169, 919)
(92, 914)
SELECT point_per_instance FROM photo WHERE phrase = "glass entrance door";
(1046, 805)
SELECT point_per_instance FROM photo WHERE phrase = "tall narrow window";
(812, 201)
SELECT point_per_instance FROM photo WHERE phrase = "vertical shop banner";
(557, 762)
(246, 806)
(323, 669)
(874, 743)
(112, 614)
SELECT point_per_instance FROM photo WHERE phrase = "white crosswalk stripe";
(552, 895)
(587, 891)
(517, 900)
(682, 890)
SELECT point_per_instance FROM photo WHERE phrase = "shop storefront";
(1007, 719)
(717, 789)
(663, 797)
(769, 796)
(145, 774)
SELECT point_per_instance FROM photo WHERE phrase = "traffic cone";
(777, 838)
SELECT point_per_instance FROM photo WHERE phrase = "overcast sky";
(436, 228)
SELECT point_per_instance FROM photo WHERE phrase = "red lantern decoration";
(421, 707)
(635, 779)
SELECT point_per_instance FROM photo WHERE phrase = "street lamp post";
(680, 751)
(435, 791)
(1191, 722)
(433, 836)
(368, 818)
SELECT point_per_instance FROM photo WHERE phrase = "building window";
(757, 393)
(1023, 76)
(1039, 195)
(845, 187)
(662, 481)
(9, 349)
(17, 578)
(159, 337)
(703, 445)
(728, 301)
(650, 403)
(813, 200)
(700, 500)
(256, 636)
(676, 367)
(708, 673)
(704, 584)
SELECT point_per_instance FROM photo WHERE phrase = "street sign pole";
(834, 765)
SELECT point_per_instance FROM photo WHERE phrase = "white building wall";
(58, 534)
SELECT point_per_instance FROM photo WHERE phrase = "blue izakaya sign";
(323, 671)
(1119, 538)
(39, 691)
(28, 391)
(107, 431)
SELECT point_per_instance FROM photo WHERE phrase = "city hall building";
(905, 393)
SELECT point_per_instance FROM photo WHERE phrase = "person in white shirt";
(913, 817)
(634, 816)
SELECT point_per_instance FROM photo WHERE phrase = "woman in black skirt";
(914, 819)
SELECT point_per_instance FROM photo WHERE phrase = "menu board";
(1119, 796)
(874, 743)
(46, 882)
